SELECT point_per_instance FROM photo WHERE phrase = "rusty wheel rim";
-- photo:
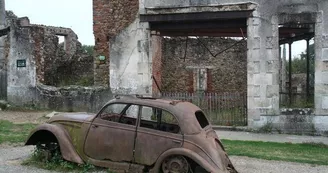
(175, 164)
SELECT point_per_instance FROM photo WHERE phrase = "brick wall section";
(229, 72)
(37, 35)
(109, 18)
(157, 63)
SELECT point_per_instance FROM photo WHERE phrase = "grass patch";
(14, 133)
(311, 153)
(57, 163)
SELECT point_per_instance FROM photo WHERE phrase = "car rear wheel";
(175, 164)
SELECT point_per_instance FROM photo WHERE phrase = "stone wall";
(3, 60)
(56, 64)
(295, 121)
(227, 72)
(109, 18)
(73, 98)
(47, 61)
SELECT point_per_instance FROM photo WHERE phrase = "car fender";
(66, 147)
(187, 153)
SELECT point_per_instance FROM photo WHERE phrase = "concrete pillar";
(321, 63)
(262, 68)
(283, 73)
(3, 73)
(2, 13)
(2, 25)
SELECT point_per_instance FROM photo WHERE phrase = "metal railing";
(225, 109)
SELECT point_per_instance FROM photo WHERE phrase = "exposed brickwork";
(209, 81)
(109, 18)
(228, 72)
(37, 35)
(157, 63)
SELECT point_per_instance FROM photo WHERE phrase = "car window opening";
(158, 119)
(201, 118)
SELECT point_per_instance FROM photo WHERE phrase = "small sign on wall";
(21, 63)
(102, 58)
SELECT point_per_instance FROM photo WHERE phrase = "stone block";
(255, 21)
(325, 102)
(253, 91)
(269, 42)
(253, 67)
(324, 56)
(256, 43)
(250, 79)
(272, 66)
(319, 17)
(323, 66)
(275, 31)
(321, 78)
(324, 41)
(254, 55)
(254, 114)
(272, 91)
(318, 30)
(263, 79)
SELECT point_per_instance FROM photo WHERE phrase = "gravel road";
(11, 158)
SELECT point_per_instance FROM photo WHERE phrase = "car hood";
(76, 117)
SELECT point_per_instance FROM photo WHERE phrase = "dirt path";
(11, 158)
(24, 117)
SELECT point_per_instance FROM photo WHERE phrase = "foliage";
(299, 63)
(57, 163)
(89, 49)
(311, 153)
(14, 133)
(267, 128)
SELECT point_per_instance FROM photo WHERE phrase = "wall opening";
(297, 65)
(62, 41)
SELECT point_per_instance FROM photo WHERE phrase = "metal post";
(308, 69)
(290, 73)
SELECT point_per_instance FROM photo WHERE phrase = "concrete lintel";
(207, 8)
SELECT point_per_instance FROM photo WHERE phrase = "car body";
(140, 133)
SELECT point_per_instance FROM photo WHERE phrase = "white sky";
(75, 14)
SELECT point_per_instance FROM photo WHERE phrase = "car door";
(112, 134)
(158, 131)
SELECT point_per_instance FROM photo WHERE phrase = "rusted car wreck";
(137, 134)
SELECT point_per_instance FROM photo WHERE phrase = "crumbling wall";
(227, 72)
(47, 61)
(66, 69)
(109, 18)
(73, 98)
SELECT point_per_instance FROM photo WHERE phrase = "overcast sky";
(75, 14)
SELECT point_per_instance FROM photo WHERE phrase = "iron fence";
(3, 85)
(297, 100)
(225, 109)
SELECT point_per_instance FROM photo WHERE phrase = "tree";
(89, 49)
(299, 62)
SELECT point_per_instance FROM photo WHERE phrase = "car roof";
(184, 111)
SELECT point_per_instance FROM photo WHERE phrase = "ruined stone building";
(156, 46)
(35, 66)
(136, 46)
